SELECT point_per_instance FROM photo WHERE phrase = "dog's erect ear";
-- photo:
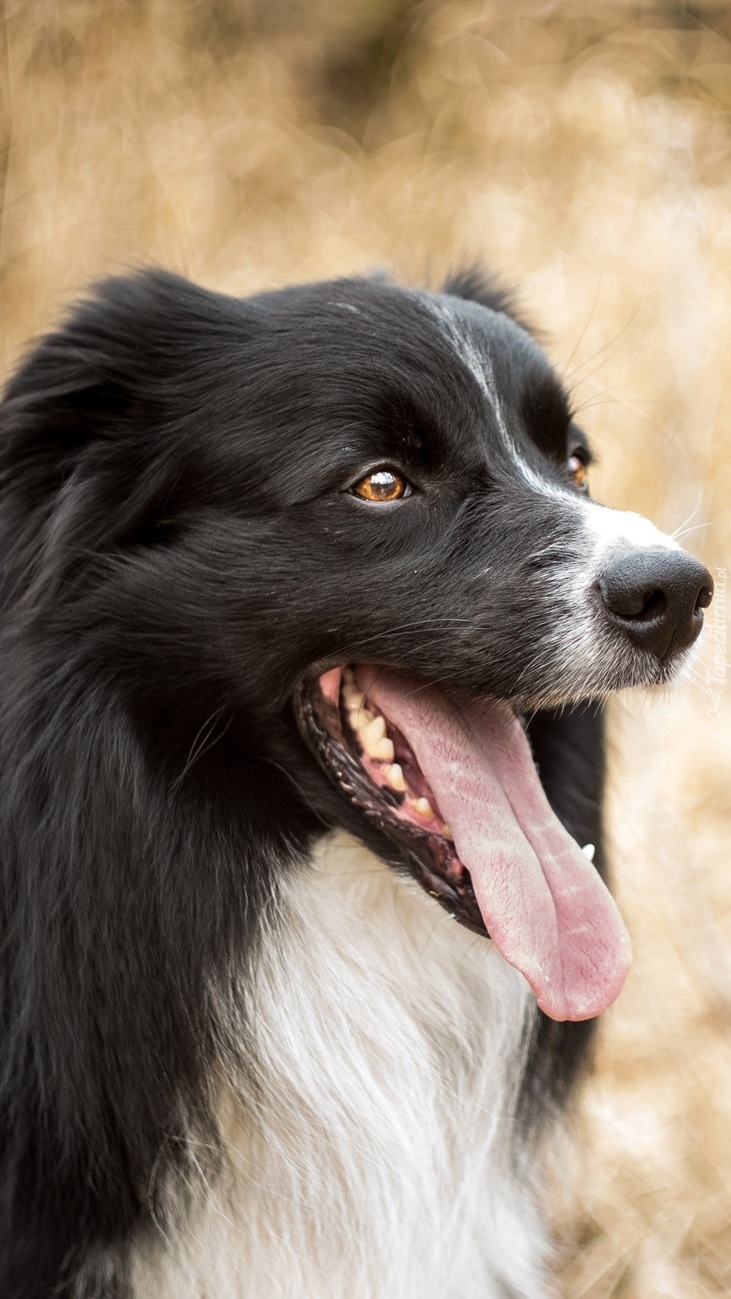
(474, 285)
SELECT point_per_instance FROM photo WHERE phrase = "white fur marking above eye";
(481, 368)
(474, 360)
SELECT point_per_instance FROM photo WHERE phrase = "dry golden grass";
(585, 152)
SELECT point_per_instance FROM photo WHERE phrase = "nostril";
(705, 595)
(628, 596)
(654, 607)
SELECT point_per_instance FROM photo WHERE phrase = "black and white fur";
(244, 1055)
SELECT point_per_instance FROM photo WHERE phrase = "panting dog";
(307, 625)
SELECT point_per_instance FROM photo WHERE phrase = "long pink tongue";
(543, 903)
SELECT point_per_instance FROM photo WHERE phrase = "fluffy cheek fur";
(378, 1135)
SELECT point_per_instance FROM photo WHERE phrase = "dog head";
(342, 533)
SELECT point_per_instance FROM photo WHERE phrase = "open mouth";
(452, 782)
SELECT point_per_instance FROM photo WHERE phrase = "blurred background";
(583, 152)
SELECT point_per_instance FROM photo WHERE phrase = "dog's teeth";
(375, 741)
(423, 807)
(359, 717)
(395, 777)
(352, 696)
(374, 731)
(446, 831)
(589, 850)
(381, 750)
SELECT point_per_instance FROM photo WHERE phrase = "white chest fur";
(379, 1162)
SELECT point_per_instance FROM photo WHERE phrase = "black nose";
(657, 597)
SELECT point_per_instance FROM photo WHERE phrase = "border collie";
(307, 624)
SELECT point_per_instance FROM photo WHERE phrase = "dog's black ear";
(474, 285)
(110, 362)
(92, 425)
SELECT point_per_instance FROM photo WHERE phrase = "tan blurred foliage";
(584, 151)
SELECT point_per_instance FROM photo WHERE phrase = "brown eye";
(382, 485)
(578, 471)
